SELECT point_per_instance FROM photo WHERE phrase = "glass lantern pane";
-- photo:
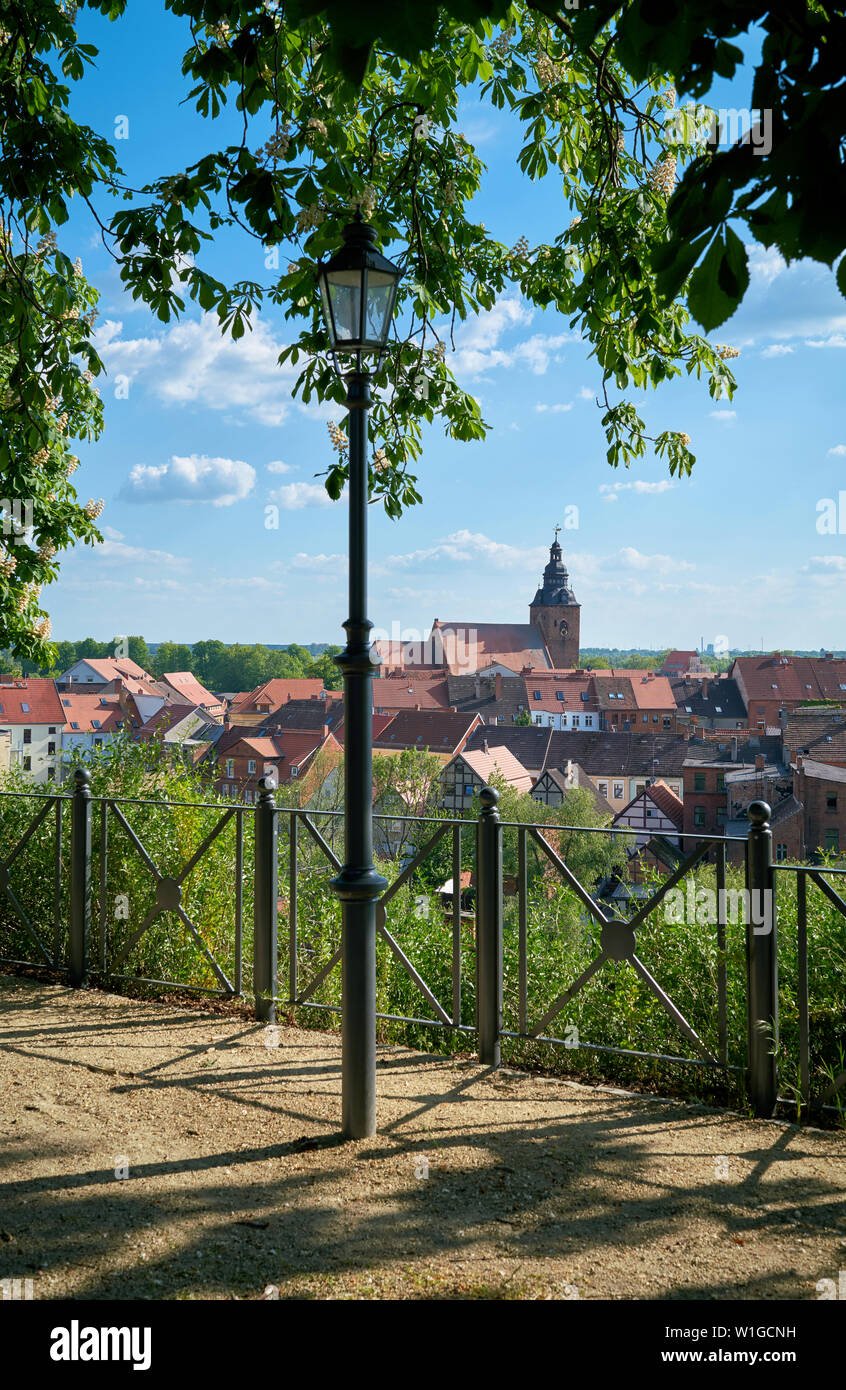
(380, 298)
(345, 296)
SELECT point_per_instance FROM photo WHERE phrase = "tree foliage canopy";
(342, 106)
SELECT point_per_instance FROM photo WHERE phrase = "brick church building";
(548, 641)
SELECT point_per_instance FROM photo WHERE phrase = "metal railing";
(261, 857)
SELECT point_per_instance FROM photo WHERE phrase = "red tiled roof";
(40, 697)
(441, 731)
(572, 684)
(110, 667)
(512, 645)
(81, 709)
(270, 694)
(164, 718)
(774, 677)
(189, 689)
(666, 800)
(393, 693)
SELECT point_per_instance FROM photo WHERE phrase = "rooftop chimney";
(498, 685)
(800, 762)
(485, 748)
(705, 690)
(734, 749)
(760, 761)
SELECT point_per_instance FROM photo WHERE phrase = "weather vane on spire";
(557, 532)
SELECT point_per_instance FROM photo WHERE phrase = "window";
(721, 781)
(536, 694)
(248, 798)
(468, 788)
(781, 853)
(95, 723)
(832, 839)
(251, 765)
(24, 707)
(51, 748)
(225, 789)
(618, 791)
(538, 720)
(699, 815)
(98, 743)
(719, 709)
(295, 772)
(667, 721)
(575, 721)
(588, 721)
(559, 694)
(603, 788)
(27, 764)
(699, 781)
(51, 774)
(74, 725)
(27, 738)
(51, 729)
(230, 767)
(831, 802)
(646, 719)
(655, 719)
(721, 816)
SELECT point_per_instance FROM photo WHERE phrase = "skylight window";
(74, 725)
(25, 706)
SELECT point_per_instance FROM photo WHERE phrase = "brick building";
(821, 790)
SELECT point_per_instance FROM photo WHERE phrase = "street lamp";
(358, 287)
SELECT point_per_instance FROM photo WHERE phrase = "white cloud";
(828, 562)
(463, 547)
(585, 394)
(723, 414)
(777, 350)
(293, 497)
(838, 449)
(834, 340)
(478, 349)
(193, 363)
(278, 467)
(610, 491)
(194, 478)
(553, 409)
(659, 564)
(302, 561)
(765, 263)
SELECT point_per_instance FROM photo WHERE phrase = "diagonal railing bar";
(456, 925)
(831, 1091)
(593, 908)
(413, 974)
(31, 829)
(319, 840)
(157, 911)
(677, 874)
(323, 974)
(129, 946)
(29, 927)
(136, 842)
(209, 840)
(221, 975)
(834, 898)
(563, 999)
(669, 1007)
(416, 861)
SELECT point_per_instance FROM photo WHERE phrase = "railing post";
(265, 902)
(489, 928)
(80, 890)
(761, 963)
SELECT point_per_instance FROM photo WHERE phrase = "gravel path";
(478, 1184)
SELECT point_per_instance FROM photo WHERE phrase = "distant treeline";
(219, 666)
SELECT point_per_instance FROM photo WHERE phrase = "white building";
(31, 712)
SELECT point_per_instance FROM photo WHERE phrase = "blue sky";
(201, 435)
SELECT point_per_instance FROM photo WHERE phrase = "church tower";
(555, 612)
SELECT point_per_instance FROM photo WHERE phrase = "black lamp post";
(358, 287)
